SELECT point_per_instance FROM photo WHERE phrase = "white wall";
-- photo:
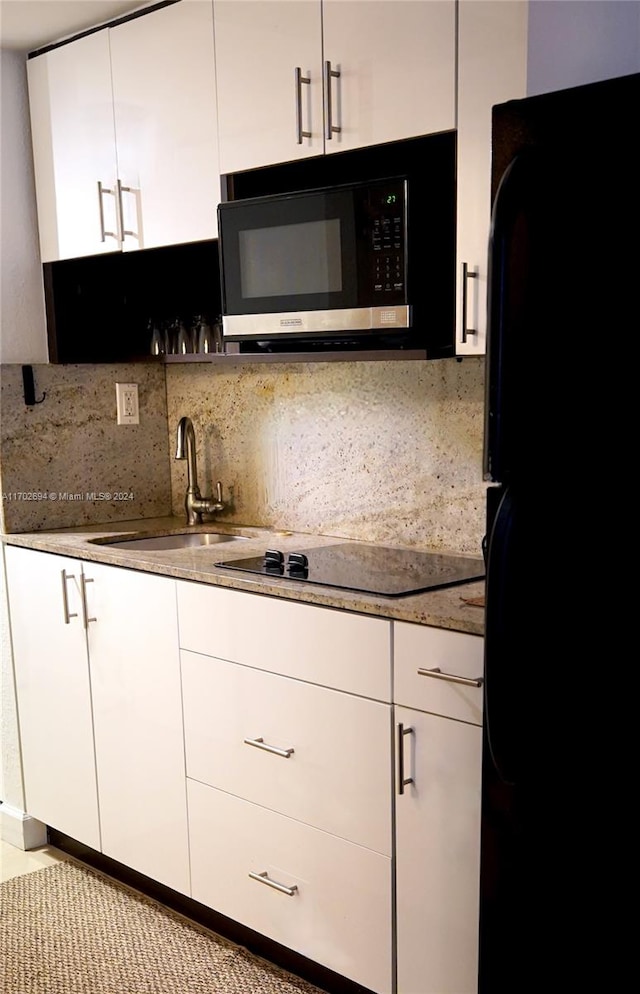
(572, 42)
(23, 336)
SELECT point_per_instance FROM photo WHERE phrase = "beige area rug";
(67, 930)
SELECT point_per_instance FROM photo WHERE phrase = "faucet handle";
(219, 492)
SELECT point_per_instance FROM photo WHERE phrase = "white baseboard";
(20, 829)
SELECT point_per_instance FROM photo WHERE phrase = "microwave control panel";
(388, 235)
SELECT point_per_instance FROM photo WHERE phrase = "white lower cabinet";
(317, 755)
(438, 805)
(326, 898)
(98, 686)
(438, 855)
(244, 749)
(53, 692)
(137, 717)
(290, 774)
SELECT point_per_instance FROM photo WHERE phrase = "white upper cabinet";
(74, 149)
(395, 61)
(492, 68)
(165, 117)
(124, 134)
(300, 79)
(269, 81)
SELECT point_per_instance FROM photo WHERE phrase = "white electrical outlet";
(127, 403)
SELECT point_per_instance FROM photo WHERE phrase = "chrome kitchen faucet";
(194, 503)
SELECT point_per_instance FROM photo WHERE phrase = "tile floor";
(14, 862)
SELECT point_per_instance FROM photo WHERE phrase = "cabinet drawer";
(340, 912)
(337, 776)
(456, 655)
(333, 648)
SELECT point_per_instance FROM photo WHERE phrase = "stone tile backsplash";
(387, 452)
(71, 449)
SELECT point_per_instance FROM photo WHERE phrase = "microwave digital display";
(291, 259)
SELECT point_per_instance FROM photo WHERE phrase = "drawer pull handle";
(261, 744)
(402, 780)
(452, 678)
(263, 878)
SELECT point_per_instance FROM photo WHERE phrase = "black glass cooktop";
(369, 569)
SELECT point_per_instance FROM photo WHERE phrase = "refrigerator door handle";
(504, 639)
(511, 219)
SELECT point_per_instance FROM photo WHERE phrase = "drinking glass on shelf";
(218, 339)
(204, 336)
(184, 342)
(157, 339)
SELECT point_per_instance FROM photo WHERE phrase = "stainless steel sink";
(177, 540)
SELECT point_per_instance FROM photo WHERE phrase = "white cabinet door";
(132, 108)
(163, 68)
(334, 904)
(314, 754)
(262, 105)
(438, 855)
(374, 71)
(135, 682)
(74, 148)
(396, 64)
(53, 692)
(492, 68)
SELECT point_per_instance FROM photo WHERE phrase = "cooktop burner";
(369, 569)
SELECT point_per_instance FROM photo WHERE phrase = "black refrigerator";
(561, 454)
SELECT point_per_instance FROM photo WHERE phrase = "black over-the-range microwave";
(365, 266)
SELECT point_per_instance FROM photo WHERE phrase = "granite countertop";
(445, 608)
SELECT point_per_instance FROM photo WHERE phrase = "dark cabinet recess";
(99, 307)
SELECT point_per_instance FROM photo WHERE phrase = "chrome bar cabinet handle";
(106, 234)
(329, 74)
(124, 189)
(263, 878)
(84, 580)
(300, 79)
(467, 274)
(65, 597)
(402, 780)
(261, 744)
(466, 681)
